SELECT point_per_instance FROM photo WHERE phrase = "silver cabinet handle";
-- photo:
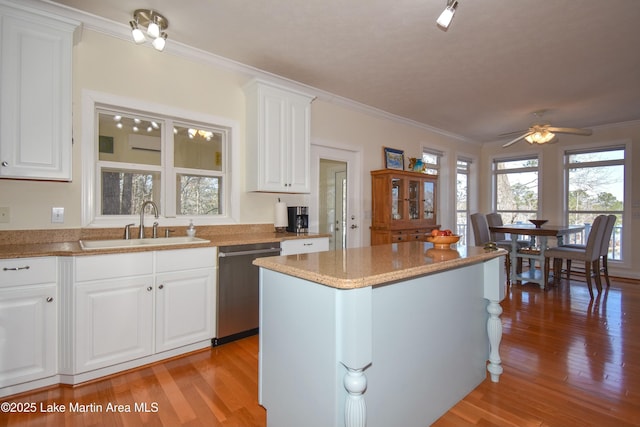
(49, 299)
(26, 267)
(150, 288)
(250, 252)
(161, 287)
(5, 164)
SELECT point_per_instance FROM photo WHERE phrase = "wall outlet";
(4, 214)
(57, 215)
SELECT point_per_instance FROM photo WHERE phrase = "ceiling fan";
(543, 133)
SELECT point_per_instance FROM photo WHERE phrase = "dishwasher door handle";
(252, 252)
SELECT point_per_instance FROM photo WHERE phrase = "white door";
(340, 199)
(323, 202)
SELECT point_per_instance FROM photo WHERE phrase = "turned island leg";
(355, 408)
(494, 330)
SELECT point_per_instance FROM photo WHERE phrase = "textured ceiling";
(498, 62)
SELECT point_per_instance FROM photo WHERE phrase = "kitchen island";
(377, 336)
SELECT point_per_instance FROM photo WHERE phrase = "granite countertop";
(65, 242)
(375, 265)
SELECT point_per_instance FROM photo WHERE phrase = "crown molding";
(123, 31)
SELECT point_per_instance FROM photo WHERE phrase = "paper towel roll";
(281, 220)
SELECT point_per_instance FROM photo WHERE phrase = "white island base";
(393, 354)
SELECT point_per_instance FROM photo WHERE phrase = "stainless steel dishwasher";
(238, 293)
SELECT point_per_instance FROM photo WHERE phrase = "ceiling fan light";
(540, 137)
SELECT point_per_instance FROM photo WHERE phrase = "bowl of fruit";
(442, 239)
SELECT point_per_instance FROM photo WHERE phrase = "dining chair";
(590, 255)
(604, 248)
(482, 235)
(494, 219)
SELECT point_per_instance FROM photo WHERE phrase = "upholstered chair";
(604, 249)
(482, 235)
(590, 255)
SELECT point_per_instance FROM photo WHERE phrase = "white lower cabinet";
(184, 308)
(135, 308)
(28, 323)
(114, 322)
(28, 334)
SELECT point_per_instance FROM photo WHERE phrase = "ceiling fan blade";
(574, 131)
(513, 141)
(512, 134)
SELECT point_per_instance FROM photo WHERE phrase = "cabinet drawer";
(185, 259)
(27, 271)
(100, 267)
(305, 246)
(399, 237)
(418, 235)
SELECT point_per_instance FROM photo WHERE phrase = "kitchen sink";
(135, 243)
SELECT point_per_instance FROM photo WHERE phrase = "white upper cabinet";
(278, 138)
(35, 89)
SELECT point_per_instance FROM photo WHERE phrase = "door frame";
(352, 157)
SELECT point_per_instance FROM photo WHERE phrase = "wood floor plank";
(568, 361)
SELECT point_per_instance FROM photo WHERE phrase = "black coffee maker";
(298, 219)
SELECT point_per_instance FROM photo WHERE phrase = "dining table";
(535, 251)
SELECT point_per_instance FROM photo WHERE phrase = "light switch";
(57, 215)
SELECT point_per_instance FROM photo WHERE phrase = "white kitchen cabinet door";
(35, 83)
(28, 333)
(185, 304)
(114, 322)
(278, 139)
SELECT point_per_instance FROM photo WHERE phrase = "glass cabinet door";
(414, 200)
(397, 199)
(428, 199)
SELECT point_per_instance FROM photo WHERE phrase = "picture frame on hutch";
(393, 158)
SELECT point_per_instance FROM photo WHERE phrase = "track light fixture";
(444, 20)
(156, 25)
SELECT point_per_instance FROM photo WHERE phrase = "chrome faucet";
(155, 212)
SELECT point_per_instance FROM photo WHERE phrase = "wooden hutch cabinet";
(403, 206)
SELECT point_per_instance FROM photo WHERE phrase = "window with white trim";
(431, 160)
(595, 186)
(181, 164)
(462, 198)
(515, 188)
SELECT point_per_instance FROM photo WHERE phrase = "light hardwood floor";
(568, 361)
